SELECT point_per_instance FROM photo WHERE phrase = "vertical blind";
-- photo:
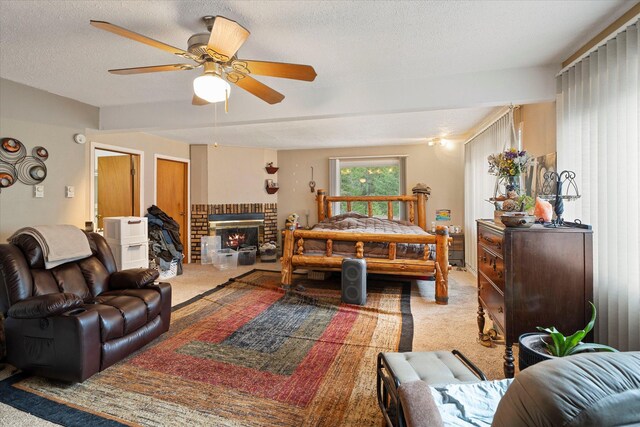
(598, 109)
(479, 186)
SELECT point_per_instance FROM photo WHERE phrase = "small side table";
(456, 250)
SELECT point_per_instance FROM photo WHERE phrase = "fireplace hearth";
(237, 230)
(201, 215)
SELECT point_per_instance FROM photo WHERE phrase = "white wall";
(237, 174)
(539, 128)
(150, 145)
(441, 168)
(35, 118)
(199, 175)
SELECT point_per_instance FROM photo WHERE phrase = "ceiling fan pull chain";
(226, 101)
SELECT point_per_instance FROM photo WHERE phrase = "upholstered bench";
(431, 367)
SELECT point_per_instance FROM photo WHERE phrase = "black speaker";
(354, 281)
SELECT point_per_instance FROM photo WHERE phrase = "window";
(368, 176)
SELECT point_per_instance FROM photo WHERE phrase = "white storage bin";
(135, 255)
(123, 230)
(208, 244)
(224, 259)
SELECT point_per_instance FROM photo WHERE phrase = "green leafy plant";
(527, 202)
(560, 346)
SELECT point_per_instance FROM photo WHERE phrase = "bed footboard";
(293, 255)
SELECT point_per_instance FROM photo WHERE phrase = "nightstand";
(456, 250)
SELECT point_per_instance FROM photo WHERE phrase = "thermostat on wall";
(79, 138)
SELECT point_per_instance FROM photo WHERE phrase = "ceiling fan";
(216, 53)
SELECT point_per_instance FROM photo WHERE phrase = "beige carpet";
(436, 327)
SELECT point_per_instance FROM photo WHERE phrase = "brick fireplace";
(200, 221)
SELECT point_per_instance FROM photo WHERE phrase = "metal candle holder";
(552, 191)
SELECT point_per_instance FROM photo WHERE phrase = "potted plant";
(549, 342)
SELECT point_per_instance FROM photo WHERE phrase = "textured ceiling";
(352, 44)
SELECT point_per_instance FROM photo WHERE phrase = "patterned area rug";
(245, 353)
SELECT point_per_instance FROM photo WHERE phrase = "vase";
(513, 183)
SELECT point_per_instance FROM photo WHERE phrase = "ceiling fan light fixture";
(211, 88)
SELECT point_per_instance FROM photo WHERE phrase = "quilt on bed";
(352, 222)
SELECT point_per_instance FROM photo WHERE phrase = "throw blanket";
(59, 243)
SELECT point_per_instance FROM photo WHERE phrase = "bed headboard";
(416, 204)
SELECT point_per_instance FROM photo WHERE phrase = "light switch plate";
(38, 191)
(70, 191)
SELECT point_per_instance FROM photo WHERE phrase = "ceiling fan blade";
(258, 89)
(198, 101)
(152, 69)
(226, 38)
(142, 39)
(276, 69)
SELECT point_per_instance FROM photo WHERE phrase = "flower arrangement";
(509, 163)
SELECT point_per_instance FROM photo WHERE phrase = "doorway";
(117, 184)
(172, 195)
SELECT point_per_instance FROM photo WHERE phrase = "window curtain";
(479, 186)
(598, 110)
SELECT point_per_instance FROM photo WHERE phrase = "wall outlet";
(70, 191)
(38, 191)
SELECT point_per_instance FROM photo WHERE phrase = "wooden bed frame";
(293, 243)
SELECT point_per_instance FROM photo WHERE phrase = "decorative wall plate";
(40, 153)
(15, 165)
(31, 170)
(7, 174)
(12, 150)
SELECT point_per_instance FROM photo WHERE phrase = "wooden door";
(172, 194)
(118, 189)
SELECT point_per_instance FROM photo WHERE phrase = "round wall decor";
(31, 170)
(7, 174)
(12, 150)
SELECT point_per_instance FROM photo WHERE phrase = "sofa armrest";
(44, 306)
(418, 405)
(133, 279)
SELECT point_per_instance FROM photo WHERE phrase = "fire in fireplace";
(237, 230)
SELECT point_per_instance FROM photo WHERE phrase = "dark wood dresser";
(530, 277)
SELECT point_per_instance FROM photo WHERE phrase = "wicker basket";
(171, 272)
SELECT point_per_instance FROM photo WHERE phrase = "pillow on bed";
(356, 215)
(347, 215)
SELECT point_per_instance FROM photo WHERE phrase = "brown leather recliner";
(78, 318)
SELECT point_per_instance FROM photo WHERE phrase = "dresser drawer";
(492, 266)
(458, 242)
(492, 300)
(122, 230)
(490, 239)
(135, 255)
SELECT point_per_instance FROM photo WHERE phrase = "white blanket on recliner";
(59, 243)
